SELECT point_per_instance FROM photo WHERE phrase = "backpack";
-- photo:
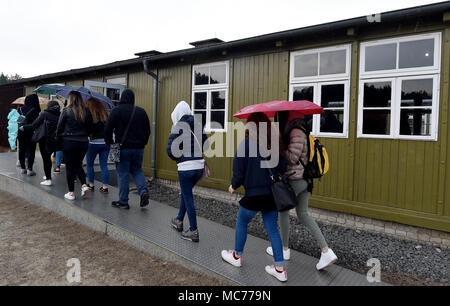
(318, 163)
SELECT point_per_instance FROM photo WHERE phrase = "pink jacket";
(298, 147)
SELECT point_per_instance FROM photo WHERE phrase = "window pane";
(113, 94)
(218, 100)
(415, 122)
(118, 81)
(201, 76)
(333, 62)
(332, 95)
(377, 122)
(203, 116)
(218, 74)
(305, 65)
(332, 121)
(217, 119)
(418, 53)
(381, 57)
(200, 100)
(303, 93)
(417, 92)
(377, 94)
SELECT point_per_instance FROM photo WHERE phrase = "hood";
(13, 113)
(55, 109)
(127, 97)
(182, 109)
(32, 101)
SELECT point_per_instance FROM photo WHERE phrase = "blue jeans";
(188, 179)
(102, 150)
(59, 156)
(130, 162)
(270, 219)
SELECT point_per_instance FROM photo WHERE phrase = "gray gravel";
(403, 262)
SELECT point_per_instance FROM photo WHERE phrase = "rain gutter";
(155, 104)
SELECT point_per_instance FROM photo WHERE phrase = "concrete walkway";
(148, 229)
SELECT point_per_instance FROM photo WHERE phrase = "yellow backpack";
(318, 163)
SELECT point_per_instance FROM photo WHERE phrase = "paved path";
(152, 225)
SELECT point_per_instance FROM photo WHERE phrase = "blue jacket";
(194, 153)
(247, 171)
(13, 128)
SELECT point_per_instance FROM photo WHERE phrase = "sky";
(46, 36)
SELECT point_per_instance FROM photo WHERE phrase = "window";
(399, 83)
(322, 76)
(112, 87)
(210, 95)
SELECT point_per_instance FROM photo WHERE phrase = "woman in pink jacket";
(295, 146)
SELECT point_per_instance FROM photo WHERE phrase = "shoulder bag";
(114, 149)
(283, 193)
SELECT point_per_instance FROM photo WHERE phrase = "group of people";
(83, 130)
(256, 180)
(88, 130)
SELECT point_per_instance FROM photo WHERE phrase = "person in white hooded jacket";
(185, 146)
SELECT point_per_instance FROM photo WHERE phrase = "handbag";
(114, 149)
(283, 193)
(40, 133)
(206, 170)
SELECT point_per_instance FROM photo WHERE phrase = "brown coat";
(298, 147)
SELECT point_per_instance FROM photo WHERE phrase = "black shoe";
(177, 224)
(190, 235)
(144, 199)
(119, 205)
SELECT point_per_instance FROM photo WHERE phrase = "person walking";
(248, 171)
(48, 119)
(27, 148)
(131, 127)
(292, 129)
(97, 145)
(190, 165)
(74, 126)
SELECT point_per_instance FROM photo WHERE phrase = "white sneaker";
(69, 196)
(84, 190)
(228, 256)
(326, 260)
(281, 276)
(286, 254)
(47, 183)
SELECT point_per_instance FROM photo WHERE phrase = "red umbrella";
(270, 108)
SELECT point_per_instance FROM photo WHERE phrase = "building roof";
(216, 46)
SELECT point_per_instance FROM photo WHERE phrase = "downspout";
(155, 104)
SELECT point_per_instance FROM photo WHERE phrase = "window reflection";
(381, 57)
(418, 53)
(201, 76)
(377, 122)
(218, 74)
(417, 92)
(377, 94)
(415, 122)
(306, 65)
(333, 62)
(218, 100)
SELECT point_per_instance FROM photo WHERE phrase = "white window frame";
(402, 71)
(361, 108)
(318, 81)
(397, 76)
(208, 89)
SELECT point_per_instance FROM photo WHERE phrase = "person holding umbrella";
(74, 126)
(294, 146)
(248, 171)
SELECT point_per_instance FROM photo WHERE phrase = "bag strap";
(128, 126)
(198, 142)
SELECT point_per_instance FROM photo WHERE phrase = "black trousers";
(74, 152)
(46, 158)
(26, 148)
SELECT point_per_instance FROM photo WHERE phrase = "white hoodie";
(179, 111)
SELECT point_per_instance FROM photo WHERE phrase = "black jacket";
(247, 171)
(72, 129)
(139, 131)
(195, 152)
(30, 110)
(50, 115)
(98, 131)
